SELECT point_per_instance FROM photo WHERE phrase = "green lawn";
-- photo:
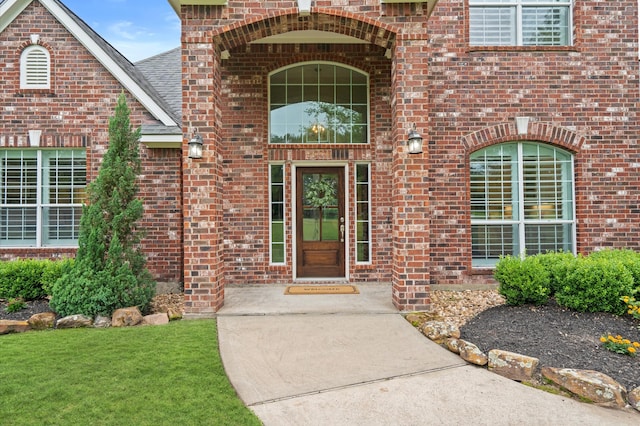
(158, 375)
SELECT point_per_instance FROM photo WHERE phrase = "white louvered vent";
(35, 68)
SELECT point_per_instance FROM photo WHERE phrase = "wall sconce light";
(522, 125)
(414, 141)
(195, 147)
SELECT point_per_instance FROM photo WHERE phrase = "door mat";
(321, 289)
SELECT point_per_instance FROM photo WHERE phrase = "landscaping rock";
(11, 326)
(102, 322)
(126, 317)
(471, 353)
(156, 319)
(42, 321)
(634, 398)
(438, 331)
(174, 314)
(592, 385)
(512, 365)
(453, 345)
(75, 321)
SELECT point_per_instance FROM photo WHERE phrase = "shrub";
(53, 271)
(629, 258)
(557, 265)
(522, 281)
(22, 279)
(109, 271)
(595, 284)
(29, 279)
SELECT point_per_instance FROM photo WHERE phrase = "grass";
(159, 375)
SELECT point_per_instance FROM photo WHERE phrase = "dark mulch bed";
(558, 337)
(33, 307)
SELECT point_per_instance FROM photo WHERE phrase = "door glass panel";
(311, 224)
(320, 207)
(330, 224)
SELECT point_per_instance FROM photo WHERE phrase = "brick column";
(409, 106)
(202, 178)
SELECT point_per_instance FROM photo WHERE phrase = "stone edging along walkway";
(125, 317)
(590, 386)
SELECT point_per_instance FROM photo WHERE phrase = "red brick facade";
(582, 98)
(74, 113)
(208, 219)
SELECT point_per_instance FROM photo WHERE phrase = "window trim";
(519, 5)
(284, 215)
(311, 144)
(522, 221)
(40, 204)
(356, 221)
(27, 67)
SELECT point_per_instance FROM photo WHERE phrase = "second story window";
(520, 22)
(35, 68)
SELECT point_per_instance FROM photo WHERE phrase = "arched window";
(35, 68)
(318, 102)
(522, 201)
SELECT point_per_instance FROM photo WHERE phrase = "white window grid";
(29, 217)
(363, 213)
(281, 204)
(534, 213)
(516, 22)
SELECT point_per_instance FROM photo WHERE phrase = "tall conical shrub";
(110, 269)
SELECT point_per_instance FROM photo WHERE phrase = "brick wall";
(74, 113)
(583, 98)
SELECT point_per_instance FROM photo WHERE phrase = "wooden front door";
(320, 222)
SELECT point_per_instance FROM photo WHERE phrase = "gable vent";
(35, 68)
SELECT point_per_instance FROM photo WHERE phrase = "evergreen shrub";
(596, 284)
(109, 270)
(522, 281)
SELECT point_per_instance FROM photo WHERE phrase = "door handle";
(342, 233)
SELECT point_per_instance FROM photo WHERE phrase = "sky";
(137, 28)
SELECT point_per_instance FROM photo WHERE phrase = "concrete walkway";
(354, 360)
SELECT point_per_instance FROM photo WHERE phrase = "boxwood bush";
(596, 284)
(557, 265)
(29, 279)
(523, 281)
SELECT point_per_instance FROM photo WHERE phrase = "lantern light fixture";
(195, 146)
(414, 141)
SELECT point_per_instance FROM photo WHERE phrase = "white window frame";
(517, 203)
(356, 220)
(35, 68)
(284, 216)
(518, 6)
(42, 202)
(301, 123)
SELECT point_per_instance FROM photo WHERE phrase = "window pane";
(276, 194)
(363, 223)
(18, 226)
(545, 26)
(318, 103)
(546, 201)
(492, 26)
(489, 242)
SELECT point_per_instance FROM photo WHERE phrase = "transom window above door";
(318, 103)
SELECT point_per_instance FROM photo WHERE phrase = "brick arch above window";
(287, 20)
(536, 131)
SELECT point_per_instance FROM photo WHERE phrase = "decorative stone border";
(121, 318)
(589, 385)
